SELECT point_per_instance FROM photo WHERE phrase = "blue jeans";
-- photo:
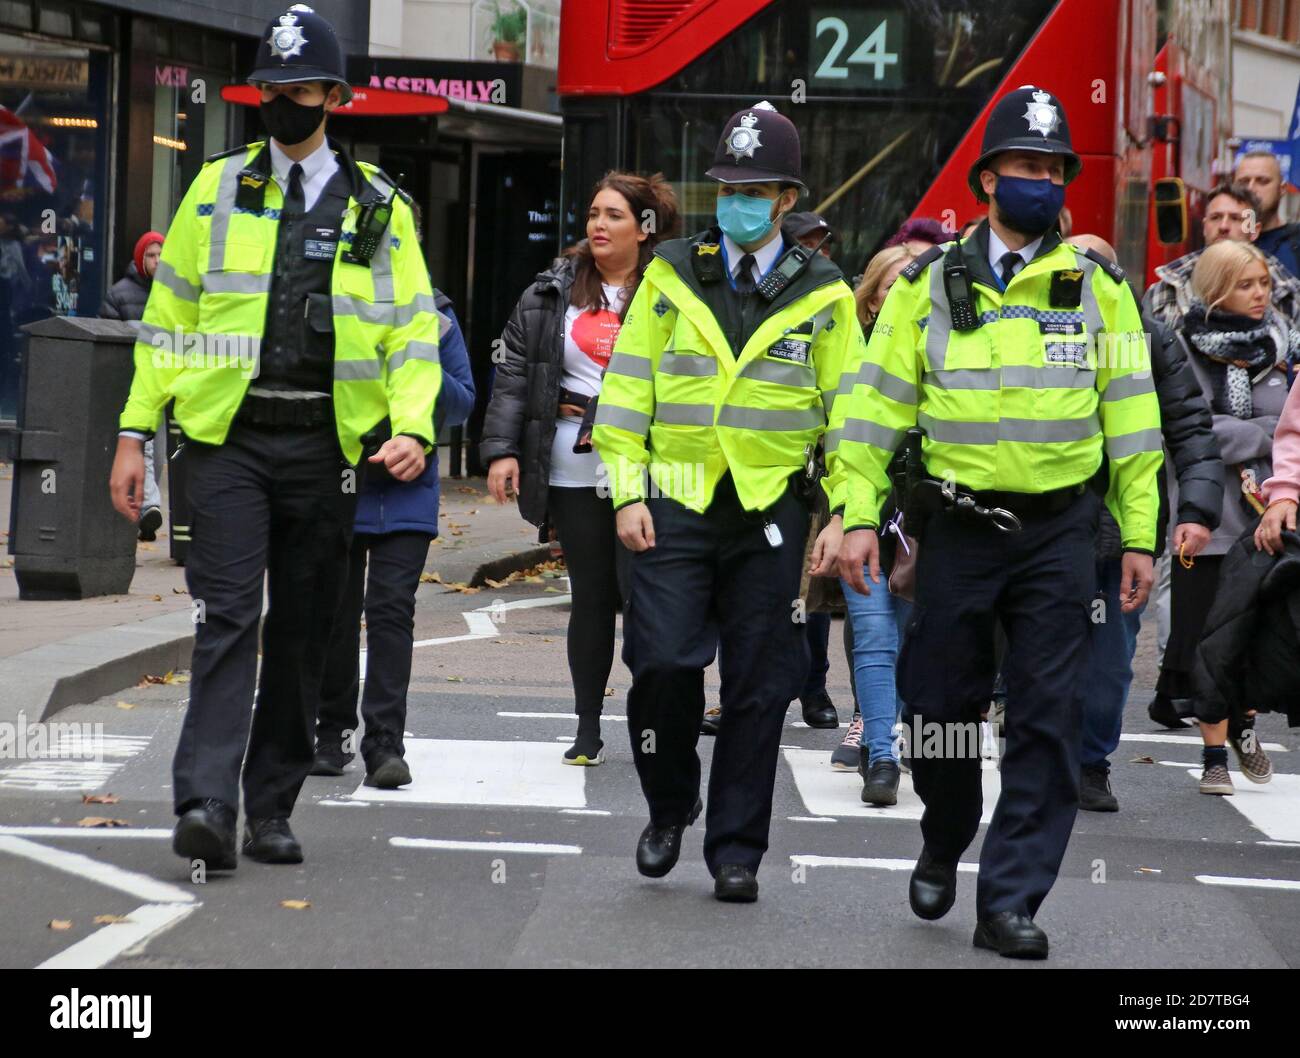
(878, 623)
(1111, 643)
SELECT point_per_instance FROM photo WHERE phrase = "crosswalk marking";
(533, 847)
(472, 772)
(1274, 807)
(1192, 740)
(1248, 883)
(66, 765)
(870, 863)
(826, 792)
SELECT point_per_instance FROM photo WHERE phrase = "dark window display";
(53, 156)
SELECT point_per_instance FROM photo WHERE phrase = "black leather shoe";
(149, 524)
(933, 887)
(658, 848)
(735, 884)
(880, 783)
(330, 759)
(1011, 934)
(1094, 790)
(271, 841)
(206, 832)
(819, 712)
(709, 723)
(1162, 711)
(388, 773)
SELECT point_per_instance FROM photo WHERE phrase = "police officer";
(1022, 360)
(291, 314)
(731, 349)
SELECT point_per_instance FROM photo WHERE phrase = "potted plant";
(509, 26)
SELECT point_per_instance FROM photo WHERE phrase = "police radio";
(371, 225)
(788, 269)
(956, 284)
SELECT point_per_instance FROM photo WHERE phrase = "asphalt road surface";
(499, 855)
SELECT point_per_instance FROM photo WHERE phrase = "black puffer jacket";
(1189, 438)
(520, 419)
(1249, 657)
(126, 298)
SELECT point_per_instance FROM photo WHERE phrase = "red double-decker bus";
(890, 98)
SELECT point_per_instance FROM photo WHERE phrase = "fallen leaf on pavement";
(609, 692)
(126, 705)
(179, 591)
(100, 799)
(146, 547)
(558, 591)
(61, 923)
(1150, 870)
(296, 905)
(455, 679)
(431, 578)
(495, 583)
(101, 821)
(1143, 760)
(109, 920)
(469, 490)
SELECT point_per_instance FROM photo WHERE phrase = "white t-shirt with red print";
(588, 342)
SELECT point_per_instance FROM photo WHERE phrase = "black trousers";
(269, 506)
(1039, 583)
(385, 590)
(597, 563)
(712, 580)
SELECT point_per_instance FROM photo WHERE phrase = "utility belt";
(286, 412)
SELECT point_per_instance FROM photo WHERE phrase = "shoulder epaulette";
(912, 271)
(377, 173)
(227, 154)
(1107, 265)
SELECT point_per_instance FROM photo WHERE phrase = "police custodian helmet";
(758, 145)
(1028, 119)
(300, 46)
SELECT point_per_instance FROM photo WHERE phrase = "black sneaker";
(1094, 790)
(206, 831)
(587, 751)
(388, 773)
(880, 782)
(149, 524)
(1162, 711)
(330, 759)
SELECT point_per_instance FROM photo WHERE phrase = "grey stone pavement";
(499, 855)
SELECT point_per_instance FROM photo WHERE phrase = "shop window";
(191, 122)
(16, 14)
(55, 20)
(54, 139)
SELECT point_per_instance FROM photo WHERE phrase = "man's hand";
(635, 527)
(403, 456)
(126, 482)
(860, 548)
(1268, 534)
(1135, 580)
(1190, 539)
(503, 475)
(826, 549)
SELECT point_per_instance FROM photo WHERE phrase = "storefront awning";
(365, 102)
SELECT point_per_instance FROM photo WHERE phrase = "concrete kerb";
(41, 681)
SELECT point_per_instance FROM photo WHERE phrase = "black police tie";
(294, 202)
(745, 277)
(1008, 261)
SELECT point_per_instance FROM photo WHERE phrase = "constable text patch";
(318, 249)
(791, 349)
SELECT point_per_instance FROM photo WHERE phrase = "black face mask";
(289, 122)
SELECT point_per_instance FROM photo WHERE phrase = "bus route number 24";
(877, 66)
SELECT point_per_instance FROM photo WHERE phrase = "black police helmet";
(758, 145)
(1028, 119)
(300, 45)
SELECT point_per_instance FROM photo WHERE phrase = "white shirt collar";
(997, 248)
(312, 166)
(764, 257)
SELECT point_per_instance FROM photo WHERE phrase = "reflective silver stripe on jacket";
(357, 370)
(223, 207)
(1130, 444)
(1031, 431)
(637, 422)
(413, 351)
(671, 363)
(1012, 377)
(871, 433)
(780, 372)
(175, 282)
(382, 313)
(1128, 386)
(631, 366)
(682, 414)
(236, 283)
(771, 418)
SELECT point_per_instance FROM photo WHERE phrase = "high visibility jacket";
(202, 328)
(1026, 402)
(679, 401)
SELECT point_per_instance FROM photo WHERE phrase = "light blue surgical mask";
(745, 218)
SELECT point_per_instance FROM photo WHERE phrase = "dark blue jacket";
(388, 506)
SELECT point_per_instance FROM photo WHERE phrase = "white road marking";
(870, 863)
(1249, 883)
(826, 792)
(472, 772)
(346, 804)
(1281, 844)
(69, 763)
(138, 885)
(800, 723)
(811, 819)
(108, 942)
(480, 624)
(584, 812)
(97, 833)
(526, 604)
(487, 846)
(1193, 740)
(1272, 807)
(555, 716)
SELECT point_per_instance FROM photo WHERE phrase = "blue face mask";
(1029, 207)
(745, 218)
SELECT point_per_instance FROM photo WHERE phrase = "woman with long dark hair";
(554, 351)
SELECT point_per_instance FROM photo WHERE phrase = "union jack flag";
(24, 161)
